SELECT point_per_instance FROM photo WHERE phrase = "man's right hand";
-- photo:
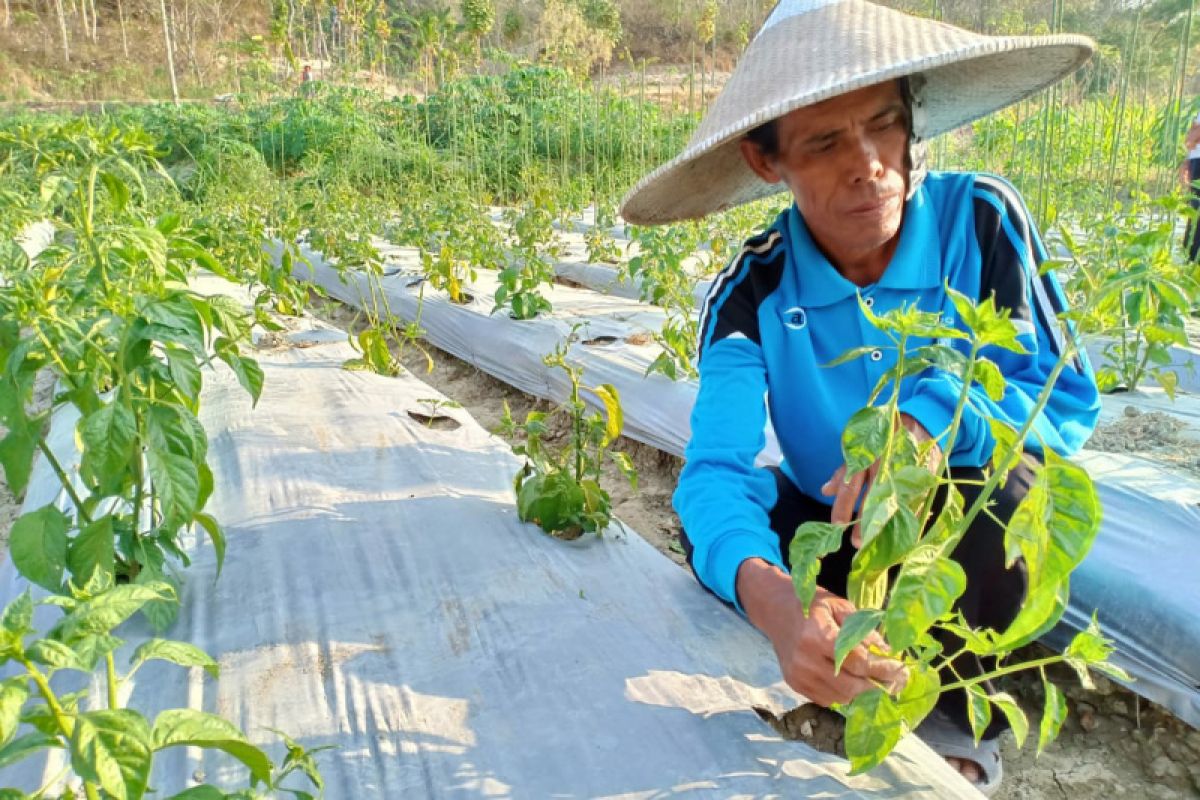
(804, 645)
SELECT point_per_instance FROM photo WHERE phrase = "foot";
(969, 769)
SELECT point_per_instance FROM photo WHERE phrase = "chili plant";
(903, 580)
(110, 748)
(559, 489)
(104, 306)
(534, 248)
(1138, 292)
(664, 279)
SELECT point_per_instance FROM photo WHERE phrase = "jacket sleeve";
(1011, 253)
(722, 499)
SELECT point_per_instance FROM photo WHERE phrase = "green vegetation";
(902, 579)
(104, 307)
(559, 489)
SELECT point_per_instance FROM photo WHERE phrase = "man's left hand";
(846, 492)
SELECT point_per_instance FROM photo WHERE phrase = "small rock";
(1160, 767)
(1132, 411)
(806, 729)
(1088, 721)
(1104, 686)
(1119, 707)
(198, 776)
(1193, 739)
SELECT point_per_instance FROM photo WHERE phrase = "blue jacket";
(780, 312)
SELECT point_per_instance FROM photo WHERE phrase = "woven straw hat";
(811, 50)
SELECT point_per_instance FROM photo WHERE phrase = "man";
(833, 101)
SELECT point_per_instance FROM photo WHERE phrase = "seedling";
(559, 490)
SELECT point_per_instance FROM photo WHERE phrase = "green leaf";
(228, 316)
(988, 375)
(184, 371)
(18, 615)
(856, 627)
(112, 748)
(17, 450)
(13, 694)
(174, 319)
(1054, 714)
(38, 545)
(812, 542)
(216, 534)
(93, 647)
(161, 614)
(103, 613)
(850, 355)
(865, 438)
(24, 746)
(117, 190)
(1042, 609)
(919, 695)
(873, 727)
(1075, 515)
(989, 324)
(92, 549)
(175, 429)
(1015, 715)
(176, 482)
(979, 710)
(888, 544)
(56, 655)
(108, 435)
(250, 374)
(925, 591)
(1028, 531)
(185, 726)
(181, 653)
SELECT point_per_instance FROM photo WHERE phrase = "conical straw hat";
(811, 50)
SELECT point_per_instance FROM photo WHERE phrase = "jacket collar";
(915, 264)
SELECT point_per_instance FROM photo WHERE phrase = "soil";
(1153, 433)
(810, 723)
(1114, 744)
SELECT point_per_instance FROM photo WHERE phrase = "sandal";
(950, 741)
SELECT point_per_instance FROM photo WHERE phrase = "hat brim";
(967, 76)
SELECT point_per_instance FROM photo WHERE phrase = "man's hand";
(804, 645)
(846, 493)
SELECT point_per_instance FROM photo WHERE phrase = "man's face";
(844, 160)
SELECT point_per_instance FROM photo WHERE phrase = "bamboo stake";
(162, 4)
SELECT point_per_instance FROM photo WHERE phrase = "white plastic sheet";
(380, 595)
(1141, 578)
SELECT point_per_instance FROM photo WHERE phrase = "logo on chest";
(795, 318)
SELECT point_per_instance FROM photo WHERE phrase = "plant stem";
(955, 424)
(60, 716)
(111, 669)
(1001, 672)
(64, 480)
